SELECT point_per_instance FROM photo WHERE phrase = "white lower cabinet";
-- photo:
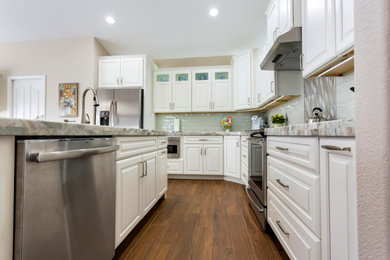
(141, 179)
(232, 156)
(128, 196)
(338, 198)
(203, 155)
(312, 204)
(298, 241)
(161, 173)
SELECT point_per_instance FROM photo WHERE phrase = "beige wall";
(65, 60)
(372, 81)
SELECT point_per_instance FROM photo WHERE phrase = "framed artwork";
(68, 96)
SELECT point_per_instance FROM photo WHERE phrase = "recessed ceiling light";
(110, 20)
(214, 12)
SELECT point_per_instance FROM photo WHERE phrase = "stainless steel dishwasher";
(65, 199)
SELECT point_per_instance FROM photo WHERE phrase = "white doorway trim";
(10, 93)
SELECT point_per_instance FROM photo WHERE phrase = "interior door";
(149, 182)
(109, 72)
(193, 159)
(128, 197)
(213, 159)
(27, 96)
(132, 72)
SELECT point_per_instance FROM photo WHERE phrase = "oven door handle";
(258, 208)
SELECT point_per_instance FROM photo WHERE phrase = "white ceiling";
(160, 28)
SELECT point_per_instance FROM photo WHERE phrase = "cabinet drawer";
(203, 140)
(300, 150)
(162, 142)
(130, 146)
(298, 241)
(175, 166)
(298, 189)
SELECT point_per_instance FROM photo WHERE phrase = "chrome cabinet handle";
(163, 152)
(244, 155)
(121, 81)
(276, 32)
(205, 151)
(201, 151)
(282, 184)
(139, 169)
(70, 154)
(301, 61)
(272, 86)
(203, 140)
(117, 81)
(145, 168)
(282, 229)
(336, 148)
(173, 105)
(281, 148)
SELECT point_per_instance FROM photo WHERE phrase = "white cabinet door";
(221, 90)
(285, 16)
(193, 159)
(109, 72)
(232, 156)
(161, 173)
(264, 82)
(213, 159)
(272, 22)
(149, 181)
(162, 92)
(132, 72)
(344, 25)
(338, 199)
(181, 91)
(243, 82)
(201, 91)
(128, 197)
(318, 34)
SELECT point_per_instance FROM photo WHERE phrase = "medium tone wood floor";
(201, 220)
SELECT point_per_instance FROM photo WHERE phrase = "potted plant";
(278, 120)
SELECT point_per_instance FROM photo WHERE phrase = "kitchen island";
(13, 129)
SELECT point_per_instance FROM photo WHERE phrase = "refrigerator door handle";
(111, 115)
(116, 112)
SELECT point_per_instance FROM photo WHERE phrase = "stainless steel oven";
(173, 147)
(257, 180)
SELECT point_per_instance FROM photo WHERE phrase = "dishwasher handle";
(70, 154)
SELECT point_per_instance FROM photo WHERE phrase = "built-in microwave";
(173, 147)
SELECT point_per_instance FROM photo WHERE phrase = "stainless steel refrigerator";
(121, 107)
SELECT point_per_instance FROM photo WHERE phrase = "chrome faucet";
(85, 117)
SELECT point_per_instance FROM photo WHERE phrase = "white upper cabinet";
(344, 25)
(201, 90)
(109, 72)
(282, 16)
(132, 72)
(181, 91)
(318, 34)
(327, 32)
(272, 14)
(221, 90)
(121, 72)
(243, 71)
(172, 91)
(264, 88)
(162, 91)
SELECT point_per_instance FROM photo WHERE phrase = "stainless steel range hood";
(285, 53)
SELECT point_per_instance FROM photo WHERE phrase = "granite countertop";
(340, 128)
(21, 127)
